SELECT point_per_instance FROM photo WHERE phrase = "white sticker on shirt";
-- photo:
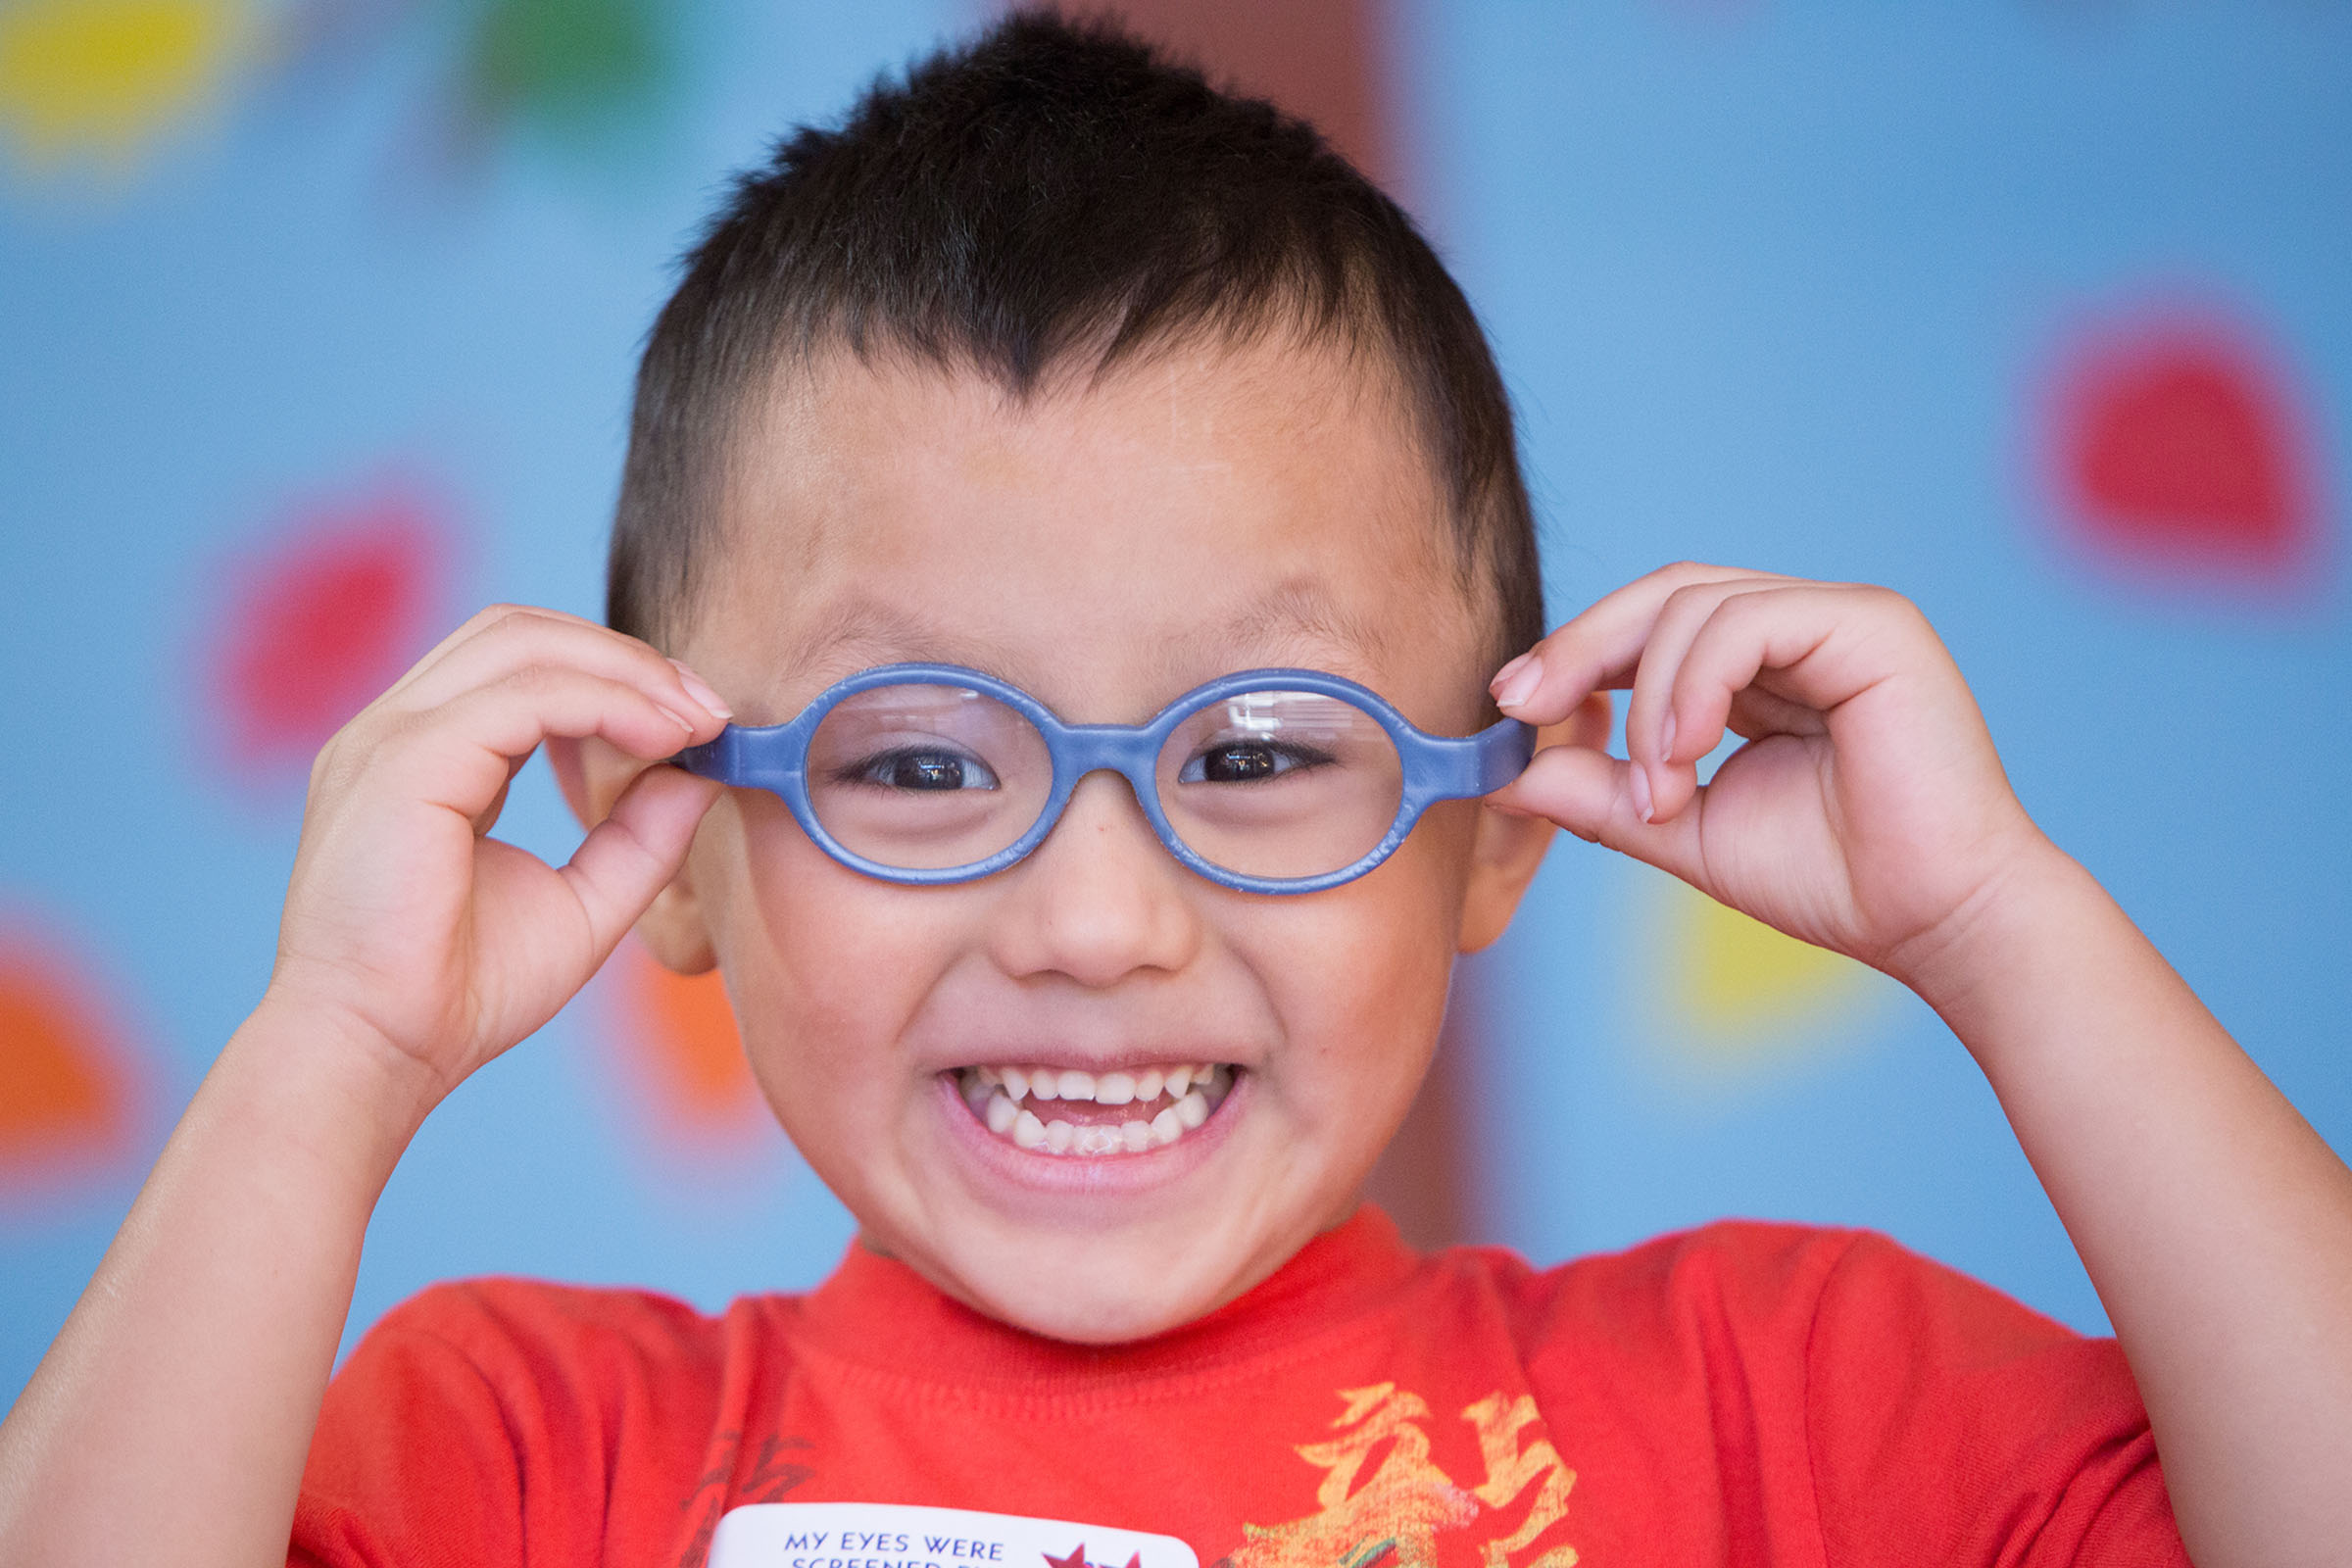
(894, 1535)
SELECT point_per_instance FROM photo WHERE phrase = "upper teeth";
(1103, 1089)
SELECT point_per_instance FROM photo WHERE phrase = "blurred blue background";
(316, 324)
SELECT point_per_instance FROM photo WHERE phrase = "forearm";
(178, 1403)
(2216, 1224)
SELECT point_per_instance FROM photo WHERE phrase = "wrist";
(2038, 906)
(329, 1085)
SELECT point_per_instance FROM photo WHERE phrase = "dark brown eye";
(1238, 764)
(925, 771)
(1248, 761)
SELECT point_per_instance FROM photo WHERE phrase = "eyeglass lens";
(1279, 784)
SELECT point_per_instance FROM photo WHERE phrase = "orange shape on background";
(325, 620)
(2179, 446)
(680, 1031)
(65, 1093)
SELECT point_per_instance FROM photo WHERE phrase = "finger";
(462, 754)
(1651, 717)
(508, 638)
(634, 852)
(1796, 653)
(487, 818)
(473, 626)
(511, 638)
(1599, 648)
(1600, 800)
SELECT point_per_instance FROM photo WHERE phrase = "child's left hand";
(1867, 813)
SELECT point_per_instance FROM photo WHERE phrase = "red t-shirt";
(1744, 1393)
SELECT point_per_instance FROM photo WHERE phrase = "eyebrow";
(887, 633)
(1298, 610)
(1294, 622)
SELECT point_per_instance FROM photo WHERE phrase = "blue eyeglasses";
(1270, 780)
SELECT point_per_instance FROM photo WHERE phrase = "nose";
(1101, 899)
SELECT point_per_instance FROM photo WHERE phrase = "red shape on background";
(66, 1090)
(2179, 444)
(323, 621)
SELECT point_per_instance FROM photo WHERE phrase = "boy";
(1050, 389)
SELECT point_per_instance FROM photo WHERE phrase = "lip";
(998, 1164)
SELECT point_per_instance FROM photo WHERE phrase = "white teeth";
(1192, 1090)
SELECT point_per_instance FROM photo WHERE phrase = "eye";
(1248, 761)
(921, 768)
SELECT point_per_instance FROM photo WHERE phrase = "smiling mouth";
(1069, 1111)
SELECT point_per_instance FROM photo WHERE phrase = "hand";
(1868, 811)
(410, 929)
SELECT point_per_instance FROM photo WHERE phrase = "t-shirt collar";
(878, 1311)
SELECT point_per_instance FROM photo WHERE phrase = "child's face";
(1106, 548)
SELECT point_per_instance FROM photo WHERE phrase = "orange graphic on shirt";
(1393, 1517)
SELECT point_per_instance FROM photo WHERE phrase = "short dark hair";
(1055, 195)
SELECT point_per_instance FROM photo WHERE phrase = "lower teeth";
(1057, 1136)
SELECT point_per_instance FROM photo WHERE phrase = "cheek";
(824, 966)
(1360, 976)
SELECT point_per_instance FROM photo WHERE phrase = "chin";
(1090, 1294)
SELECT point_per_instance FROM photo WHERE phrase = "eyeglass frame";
(1433, 767)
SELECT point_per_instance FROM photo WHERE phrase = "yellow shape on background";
(1740, 993)
(103, 81)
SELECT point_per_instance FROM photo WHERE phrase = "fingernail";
(1666, 738)
(1520, 685)
(1504, 673)
(676, 717)
(1640, 784)
(700, 690)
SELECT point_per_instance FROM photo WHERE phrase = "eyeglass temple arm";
(1481, 763)
(740, 754)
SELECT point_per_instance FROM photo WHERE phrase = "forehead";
(1105, 542)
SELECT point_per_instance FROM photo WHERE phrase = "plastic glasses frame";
(1435, 767)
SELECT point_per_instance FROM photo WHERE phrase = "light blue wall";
(1779, 285)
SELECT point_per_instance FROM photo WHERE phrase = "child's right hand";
(411, 933)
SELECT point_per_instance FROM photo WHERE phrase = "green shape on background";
(569, 63)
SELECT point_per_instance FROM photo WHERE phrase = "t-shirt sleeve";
(1946, 1423)
(414, 1462)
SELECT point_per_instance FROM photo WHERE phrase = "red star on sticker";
(1076, 1558)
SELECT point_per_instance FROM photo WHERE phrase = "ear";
(592, 773)
(1510, 848)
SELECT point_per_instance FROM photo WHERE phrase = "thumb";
(636, 849)
(1603, 800)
